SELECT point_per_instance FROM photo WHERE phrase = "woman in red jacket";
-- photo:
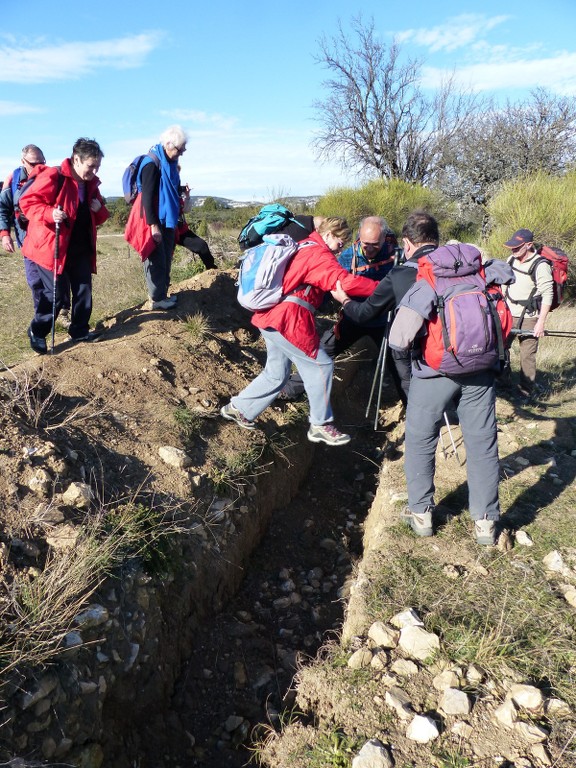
(290, 334)
(67, 196)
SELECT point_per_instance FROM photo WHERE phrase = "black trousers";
(193, 243)
(341, 337)
(77, 277)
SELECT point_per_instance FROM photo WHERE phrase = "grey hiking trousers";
(475, 402)
(316, 374)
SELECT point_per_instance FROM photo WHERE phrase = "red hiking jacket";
(313, 265)
(38, 203)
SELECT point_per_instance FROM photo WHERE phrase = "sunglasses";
(33, 165)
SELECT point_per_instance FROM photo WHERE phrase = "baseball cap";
(520, 237)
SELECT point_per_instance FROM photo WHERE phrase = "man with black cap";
(529, 299)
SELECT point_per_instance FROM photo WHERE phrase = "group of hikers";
(441, 354)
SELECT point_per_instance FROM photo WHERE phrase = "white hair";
(173, 136)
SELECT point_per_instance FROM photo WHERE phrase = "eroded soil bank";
(142, 678)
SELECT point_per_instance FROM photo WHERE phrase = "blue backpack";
(268, 220)
(130, 176)
(262, 272)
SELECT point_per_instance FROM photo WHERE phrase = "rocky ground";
(109, 407)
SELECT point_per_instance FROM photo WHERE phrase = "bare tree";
(375, 117)
(504, 143)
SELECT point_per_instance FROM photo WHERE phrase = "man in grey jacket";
(472, 392)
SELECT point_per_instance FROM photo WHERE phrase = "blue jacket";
(8, 201)
(354, 261)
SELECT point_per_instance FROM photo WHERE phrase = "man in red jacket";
(67, 196)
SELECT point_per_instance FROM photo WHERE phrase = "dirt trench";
(238, 679)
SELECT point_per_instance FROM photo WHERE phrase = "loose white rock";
(462, 729)
(78, 495)
(383, 635)
(446, 679)
(404, 668)
(530, 732)
(360, 658)
(569, 593)
(400, 702)
(526, 696)
(422, 729)
(524, 538)
(540, 754)
(63, 537)
(373, 755)
(407, 618)
(506, 714)
(93, 616)
(557, 708)
(455, 702)
(418, 643)
(40, 482)
(174, 457)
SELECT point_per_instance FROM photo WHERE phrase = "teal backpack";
(268, 220)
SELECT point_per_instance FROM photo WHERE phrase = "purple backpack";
(464, 333)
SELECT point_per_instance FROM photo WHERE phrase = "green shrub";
(392, 199)
(543, 203)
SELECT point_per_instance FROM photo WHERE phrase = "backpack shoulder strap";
(15, 180)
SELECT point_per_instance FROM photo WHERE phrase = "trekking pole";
(382, 367)
(442, 445)
(380, 363)
(450, 435)
(56, 255)
(558, 334)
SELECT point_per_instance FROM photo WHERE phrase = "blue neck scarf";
(169, 197)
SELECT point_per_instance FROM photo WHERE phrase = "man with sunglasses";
(529, 299)
(32, 156)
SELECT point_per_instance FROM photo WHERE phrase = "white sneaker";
(163, 304)
(327, 433)
(233, 414)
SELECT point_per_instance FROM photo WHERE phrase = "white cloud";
(70, 61)
(456, 32)
(556, 73)
(242, 162)
(10, 108)
(195, 117)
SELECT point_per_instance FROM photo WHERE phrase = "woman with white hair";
(159, 181)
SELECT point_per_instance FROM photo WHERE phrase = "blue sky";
(241, 78)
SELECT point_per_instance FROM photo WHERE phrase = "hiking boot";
(173, 299)
(485, 531)
(64, 319)
(37, 343)
(420, 522)
(233, 414)
(163, 304)
(88, 337)
(327, 433)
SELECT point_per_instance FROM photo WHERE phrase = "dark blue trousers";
(77, 277)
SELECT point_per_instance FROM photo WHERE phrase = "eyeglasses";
(33, 165)
(180, 150)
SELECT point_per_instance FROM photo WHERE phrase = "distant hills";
(296, 201)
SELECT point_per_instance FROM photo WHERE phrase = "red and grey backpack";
(559, 262)
(471, 320)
